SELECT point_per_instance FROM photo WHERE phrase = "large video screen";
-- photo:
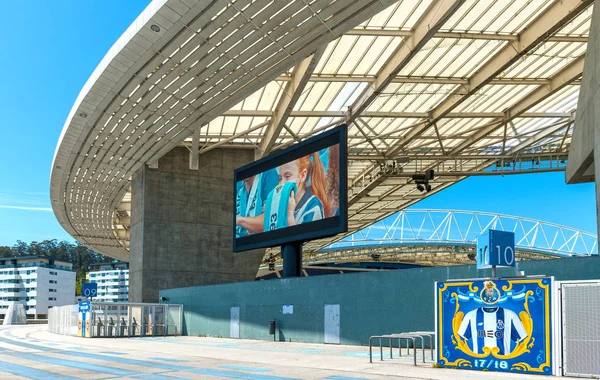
(293, 195)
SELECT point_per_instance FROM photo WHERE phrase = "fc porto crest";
(490, 293)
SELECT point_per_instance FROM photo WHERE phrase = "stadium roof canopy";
(463, 87)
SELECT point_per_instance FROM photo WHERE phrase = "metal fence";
(111, 319)
(63, 320)
(581, 328)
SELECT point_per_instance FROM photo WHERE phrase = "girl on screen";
(309, 202)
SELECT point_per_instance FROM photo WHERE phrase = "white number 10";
(509, 258)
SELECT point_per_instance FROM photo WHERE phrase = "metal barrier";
(580, 304)
(411, 336)
(63, 320)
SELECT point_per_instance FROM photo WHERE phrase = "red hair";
(318, 182)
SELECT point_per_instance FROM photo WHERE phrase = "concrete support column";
(182, 224)
(584, 152)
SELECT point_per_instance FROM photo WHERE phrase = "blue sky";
(52, 47)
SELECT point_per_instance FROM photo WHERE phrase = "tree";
(81, 256)
(6, 252)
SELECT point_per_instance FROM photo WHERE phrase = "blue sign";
(83, 319)
(89, 289)
(84, 306)
(495, 325)
(496, 248)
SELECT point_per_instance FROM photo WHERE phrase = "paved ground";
(34, 353)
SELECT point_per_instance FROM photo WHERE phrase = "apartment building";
(38, 282)
(112, 279)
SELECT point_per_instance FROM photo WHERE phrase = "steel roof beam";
(561, 79)
(469, 36)
(349, 78)
(459, 157)
(402, 115)
(541, 135)
(231, 138)
(438, 12)
(287, 101)
(549, 22)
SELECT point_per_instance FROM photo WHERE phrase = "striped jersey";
(491, 327)
(309, 208)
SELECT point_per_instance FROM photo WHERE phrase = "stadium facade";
(194, 89)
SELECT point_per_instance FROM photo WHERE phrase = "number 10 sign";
(495, 249)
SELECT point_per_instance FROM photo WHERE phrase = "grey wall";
(181, 232)
(585, 144)
(370, 303)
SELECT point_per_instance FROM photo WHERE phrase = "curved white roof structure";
(457, 86)
(432, 237)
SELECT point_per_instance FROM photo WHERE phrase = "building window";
(52, 290)
(51, 298)
(53, 281)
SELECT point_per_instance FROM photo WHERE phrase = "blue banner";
(495, 325)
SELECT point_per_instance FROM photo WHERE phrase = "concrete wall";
(181, 224)
(370, 303)
(585, 144)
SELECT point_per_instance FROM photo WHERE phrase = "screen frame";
(303, 232)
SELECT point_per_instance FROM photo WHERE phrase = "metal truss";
(447, 237)
(461, 228)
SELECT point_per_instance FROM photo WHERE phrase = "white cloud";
(24, 200)
(28, 208)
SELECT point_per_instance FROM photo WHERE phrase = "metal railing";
(119, 319)
(408, 337)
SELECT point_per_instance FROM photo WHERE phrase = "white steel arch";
(455, 227)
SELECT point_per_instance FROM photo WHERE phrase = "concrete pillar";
(182, 224)
(584, 152)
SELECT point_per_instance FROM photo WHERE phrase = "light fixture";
(155, 28)
(83, 115)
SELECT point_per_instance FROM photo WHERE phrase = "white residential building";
(112, 279)
(38, 282)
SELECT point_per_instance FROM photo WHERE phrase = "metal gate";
(332, 324)
(580, 303)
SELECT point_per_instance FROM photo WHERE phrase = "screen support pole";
(292, 259)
